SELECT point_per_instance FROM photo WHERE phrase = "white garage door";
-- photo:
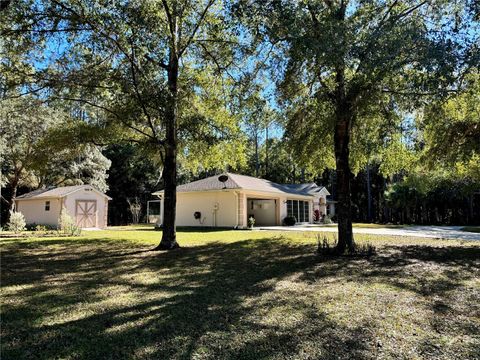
(263, 210)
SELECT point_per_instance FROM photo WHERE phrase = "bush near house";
(67, 225)
(290, 220)
(17, 222)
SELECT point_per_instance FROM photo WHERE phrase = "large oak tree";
(153, 70)
(343, 63)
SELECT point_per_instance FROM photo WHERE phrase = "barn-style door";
(86, 213)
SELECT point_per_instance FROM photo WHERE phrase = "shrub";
(290, 220)
(327, 220)
(40, 227)
(251, 221)
(31, 226)
(67, 225)
(17, 222)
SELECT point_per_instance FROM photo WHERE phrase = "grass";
(237, 295)
(474, 229)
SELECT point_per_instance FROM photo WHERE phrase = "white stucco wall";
(188, 203)
(69, 203)
(34, 211)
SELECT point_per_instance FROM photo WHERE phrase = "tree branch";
(197, 26)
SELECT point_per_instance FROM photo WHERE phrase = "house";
(86, 205)
(319, 193)
(230, 199)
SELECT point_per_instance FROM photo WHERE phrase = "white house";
(230, 199)
(85, 204)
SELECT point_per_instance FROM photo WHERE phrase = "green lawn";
(237, 295)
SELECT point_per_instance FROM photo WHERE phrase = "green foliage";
(113, 68)
(251, 222)
(35, 154)
(451, 129)
(370, 61)
(67, 225)
(16, 222)
(327, 220)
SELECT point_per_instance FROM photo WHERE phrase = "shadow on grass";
(103, 300)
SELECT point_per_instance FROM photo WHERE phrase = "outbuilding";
(85, 204)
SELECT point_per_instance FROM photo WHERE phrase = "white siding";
(34, 211)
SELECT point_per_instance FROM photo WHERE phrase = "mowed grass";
(237, 295)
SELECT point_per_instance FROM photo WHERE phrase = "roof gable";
(57, 192)
(311, 188)
(236, 181)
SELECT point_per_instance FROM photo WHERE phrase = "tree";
(346, 60)
(451, 126)
(33, 156)
(138, 65)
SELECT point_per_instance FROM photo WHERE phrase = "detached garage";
(86, 205)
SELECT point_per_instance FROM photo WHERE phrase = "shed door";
(86, 213)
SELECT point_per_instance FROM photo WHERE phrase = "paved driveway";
(438, 232)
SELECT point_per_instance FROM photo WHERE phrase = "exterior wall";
(69, 203)
(232, 208)
(34, 211)
(226, 213)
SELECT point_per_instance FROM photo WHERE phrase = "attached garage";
(229, 200)
(86, 205)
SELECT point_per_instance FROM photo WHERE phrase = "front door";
(86, 213)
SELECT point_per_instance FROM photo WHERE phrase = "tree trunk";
(169, 236)
(369, 195)
(266, 152)
(13, 197)
(344, 212)
(257, 163)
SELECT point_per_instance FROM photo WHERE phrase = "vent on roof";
(223, 179)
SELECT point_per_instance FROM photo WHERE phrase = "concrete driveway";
(438, 232)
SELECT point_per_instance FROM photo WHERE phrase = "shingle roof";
(236, 181)
(311, 188)
(51, 192)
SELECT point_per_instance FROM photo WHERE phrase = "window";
(298, 208)
(47, 205)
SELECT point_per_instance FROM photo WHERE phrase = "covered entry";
(264, 211)
(86, 213)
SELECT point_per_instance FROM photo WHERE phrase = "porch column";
(242, 210)
(310, 213)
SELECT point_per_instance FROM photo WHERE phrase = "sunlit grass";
(237, 294)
